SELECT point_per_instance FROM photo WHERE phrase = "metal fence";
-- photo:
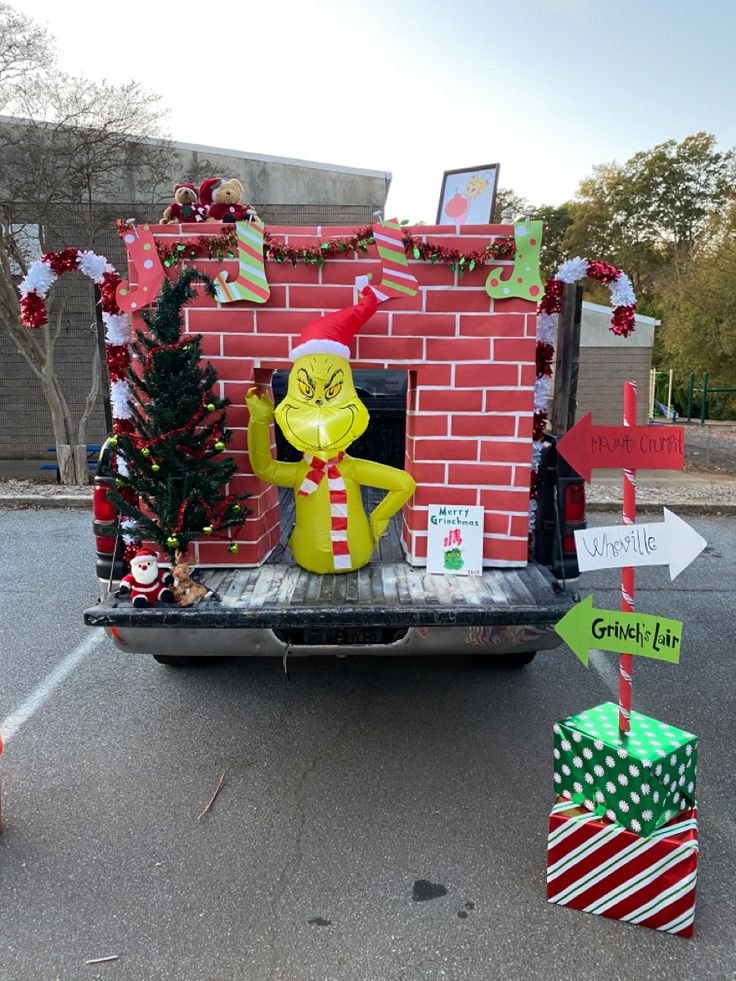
(25, 424)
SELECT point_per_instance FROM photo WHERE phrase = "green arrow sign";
(585, 627)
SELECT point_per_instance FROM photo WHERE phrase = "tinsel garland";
(34, 288)
(623, 300)
(224, 246)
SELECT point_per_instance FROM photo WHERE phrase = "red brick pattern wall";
(471, 365)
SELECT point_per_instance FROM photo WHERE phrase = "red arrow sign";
(586, 447)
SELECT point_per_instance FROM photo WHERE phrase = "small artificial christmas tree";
(170, 475)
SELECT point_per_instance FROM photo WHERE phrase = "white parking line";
(13, 723)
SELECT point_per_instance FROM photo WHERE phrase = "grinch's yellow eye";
(306, 390)
(333, 390)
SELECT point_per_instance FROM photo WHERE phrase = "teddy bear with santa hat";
(224, 200)
(185, 207)
(145, 583)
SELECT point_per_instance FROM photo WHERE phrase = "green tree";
(699, 306)
(176, 474)
(647, 213)
(507, 200)
(557, 219)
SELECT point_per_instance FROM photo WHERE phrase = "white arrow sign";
(671, 542)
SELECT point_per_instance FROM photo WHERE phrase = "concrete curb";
(648, 507)
(39, 501)
(652, 507)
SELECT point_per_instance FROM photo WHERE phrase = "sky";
(545, 88)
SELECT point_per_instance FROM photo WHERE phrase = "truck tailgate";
(277, 596)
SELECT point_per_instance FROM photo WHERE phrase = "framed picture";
(468, 195)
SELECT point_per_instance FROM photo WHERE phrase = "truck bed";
(386, 593)
(383, 594)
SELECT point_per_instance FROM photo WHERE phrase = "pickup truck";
(387, 607)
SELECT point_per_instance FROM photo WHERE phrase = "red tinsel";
(118, 360)
(61, 262)
(534, 486)
(129, 551)
(224, 245)
(551, 302)
(174, 432)
(216, 434)
(545, 354)
(603, 272)
(187, 339)
(108, 302)
(539, 424)
(121, 426)
(622, 321)
(32, 310)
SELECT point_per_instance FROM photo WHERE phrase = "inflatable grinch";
(321, 415)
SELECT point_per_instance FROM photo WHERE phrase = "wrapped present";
(640, 779)
(597, 866)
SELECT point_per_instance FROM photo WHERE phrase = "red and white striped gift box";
(597, 866)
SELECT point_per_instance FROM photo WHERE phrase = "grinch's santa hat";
(144, 555)
(208, 187)
(332, 333)
(189, 186)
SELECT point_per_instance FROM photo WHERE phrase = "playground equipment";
(704, 391)
(665, 410)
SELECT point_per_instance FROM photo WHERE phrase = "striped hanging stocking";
(338, 504)
(396, 280)
(251, 283)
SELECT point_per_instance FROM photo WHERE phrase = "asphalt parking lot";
(385, 819)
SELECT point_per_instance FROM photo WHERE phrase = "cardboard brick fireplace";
(471, 372)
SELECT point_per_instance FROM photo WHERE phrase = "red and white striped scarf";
(338, 503)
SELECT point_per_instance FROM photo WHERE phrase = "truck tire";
(179, 661)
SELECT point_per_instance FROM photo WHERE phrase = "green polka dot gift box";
(640, 781)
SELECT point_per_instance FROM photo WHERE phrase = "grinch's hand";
(378, 526)
(260, 407)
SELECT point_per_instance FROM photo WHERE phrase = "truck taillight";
(105, 544)
(575, 502)
(574, 514)
(104, 509)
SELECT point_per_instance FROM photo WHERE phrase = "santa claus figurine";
(145, 583)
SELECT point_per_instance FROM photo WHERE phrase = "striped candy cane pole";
(396, 280)
(626, 661)
(251, 283)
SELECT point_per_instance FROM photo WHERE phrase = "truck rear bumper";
(215, 642)
(260, 612)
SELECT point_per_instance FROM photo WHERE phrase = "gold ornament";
(172, 542)
(234, 548)
(112, 441)
(236, 507)
(210, 407)
(145, 451)
(155, 467)
(219, 445)
(208, 529)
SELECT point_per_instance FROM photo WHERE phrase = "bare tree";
(25, 47)
(70, 146)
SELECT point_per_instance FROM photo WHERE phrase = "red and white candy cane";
(626, 661)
